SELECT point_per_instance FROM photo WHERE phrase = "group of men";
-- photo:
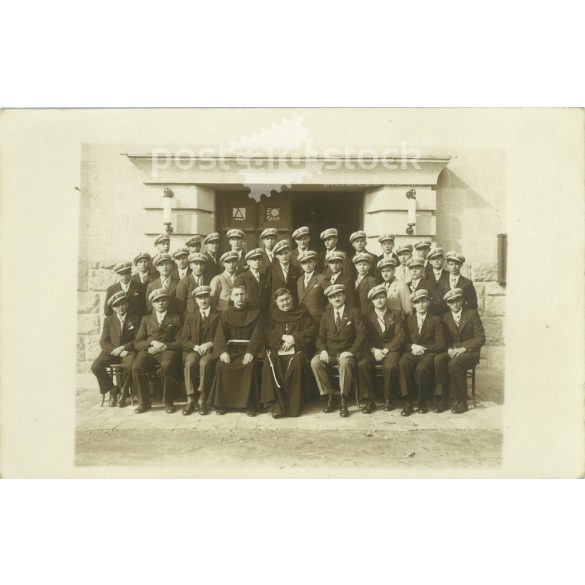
(245, 329)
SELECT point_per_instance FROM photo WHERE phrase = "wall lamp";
(167, 206)
(411, 223)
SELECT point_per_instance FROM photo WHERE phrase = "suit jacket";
(267, 265)
(470, 333)
(350, 336)
(242, 264)
(221, 286)
(361, 293)
(151, 275)
(346, 268)
(277, 280)
(195, 332)
(435, 297)
(185, 300)
(213, 267)
(350, 296)
(167, 332)
(114, 336)
(258, 291)
(174, 282)
(431, 336)
(393, 336)
(135, 296)
(313, 296)
(469, 294)
(398, 296)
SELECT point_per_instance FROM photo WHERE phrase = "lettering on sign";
(239, 214)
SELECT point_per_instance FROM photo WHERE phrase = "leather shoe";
(388, 406)
(250, 412)
(170, 408)
(440, 407)
(142, 408)
(113, 398)
(330, 404)
(407, 410)
(123, 400)
(460, 408)
(343, 407)
(203, 410)
(219, 410)
(369, 407)
(189, 408)
(422, 408)
(277, 414)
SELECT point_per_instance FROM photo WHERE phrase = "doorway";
(323, 209)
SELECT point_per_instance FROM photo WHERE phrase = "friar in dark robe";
(238, 342)
(286, 372)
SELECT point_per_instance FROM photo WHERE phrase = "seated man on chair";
(424, 340)
(465, 336)
(157, 343)
(117, 347)
(238, 341)
(197, 339)
(339, 343)
(384, 339)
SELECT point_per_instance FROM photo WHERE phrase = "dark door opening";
(322, 210)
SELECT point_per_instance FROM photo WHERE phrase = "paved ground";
(316, 441)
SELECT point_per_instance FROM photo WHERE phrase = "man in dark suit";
(465, 337)
(167, 280)
(211, 253)
(302, 236)
(337, 276)
(134, 291)
(424, 340)
(387, 245)
(364, 282)
(284, 274)
(418, 282)
(436, 272)
(268, 237)
(117, 347)
(423, 247)
(384, 339)
(145, 272)
(256, 281)
(236, 241)
(339, 342)
(329, 238)
(311, 287)
(456, 280)
(358, 240)
(163, 246)
(157, 342)
(197, 340)
(181, 258)
(197, 277)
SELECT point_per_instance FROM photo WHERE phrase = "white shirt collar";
(309, 275)
(339, 311)
(380, 314)
(457, 315)
(160, 317)
(125, 287)
(205, 312)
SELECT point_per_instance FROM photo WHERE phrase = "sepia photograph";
(293, 299)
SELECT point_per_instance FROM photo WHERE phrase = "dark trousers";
(452, 375)
(416, 374)
(169, 371)
(99, 370)
(197, 368)
(389, 373)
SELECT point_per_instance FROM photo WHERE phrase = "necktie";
(382, 324)
(357, 283)
(337, 321)
(420, 324)
(453, 282)
(165, 284)
(457, 317)
(204, 317)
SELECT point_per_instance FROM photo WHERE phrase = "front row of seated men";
(244, 358)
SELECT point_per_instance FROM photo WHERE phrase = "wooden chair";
(114, 371)
(471, 376)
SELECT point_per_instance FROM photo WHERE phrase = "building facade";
(455, 198)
